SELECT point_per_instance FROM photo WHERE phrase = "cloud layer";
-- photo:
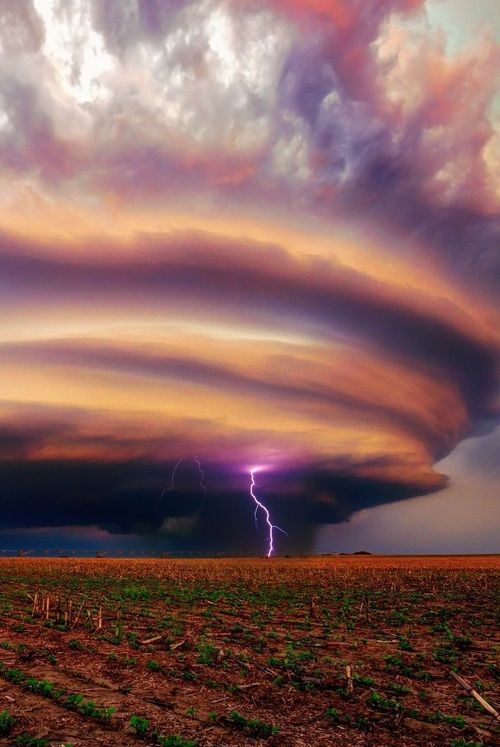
(260, 232)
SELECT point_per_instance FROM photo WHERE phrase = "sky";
(249, 241)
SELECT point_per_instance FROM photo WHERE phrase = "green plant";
(444, 654)
(77, 702)
(382, 704)
(206, 653)
(28, 741)
(256, 727)
(41, 687)
(362, 680)
(442, 718)
(6, 723)
(119, 635)
(361, 723)
(141, 725)
(404, 643)
(135, 592)
(175, 740)
(398, 689)
(462, 642)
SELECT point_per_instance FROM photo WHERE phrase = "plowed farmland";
(233, 652)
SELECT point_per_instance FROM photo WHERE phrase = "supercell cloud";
(257, 232)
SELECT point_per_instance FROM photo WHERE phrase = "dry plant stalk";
(78, 614)
(476, 695)
(348, 674)
(313, 611)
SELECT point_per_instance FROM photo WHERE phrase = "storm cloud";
(257, 232)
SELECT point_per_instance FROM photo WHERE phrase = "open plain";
(354, 650)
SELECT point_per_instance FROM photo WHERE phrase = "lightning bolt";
(170, 487)
(202, 482)
(260, 505)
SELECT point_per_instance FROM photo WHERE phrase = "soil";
(291, 652)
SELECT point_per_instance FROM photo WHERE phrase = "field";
(323, 651)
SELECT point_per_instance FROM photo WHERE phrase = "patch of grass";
(445, 654)
(406, 667)
(377, 701)
(398, 689)
(254, 726)
(135, 593)
(206, 653)
(140, 725)
(442, 718)
(360, 679)
(292, 661)
(175, 740)
(404, 643)
(40, 687)
(361, 723)
(28, 741)
(87, 707)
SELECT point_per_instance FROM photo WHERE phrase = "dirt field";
(299, 652)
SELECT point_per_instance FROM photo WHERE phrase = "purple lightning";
(202, 482)
(258, 504)
(170, 487)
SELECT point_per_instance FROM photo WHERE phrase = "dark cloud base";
(131, 498)
(340, 140)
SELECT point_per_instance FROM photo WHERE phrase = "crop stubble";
(300, 651)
